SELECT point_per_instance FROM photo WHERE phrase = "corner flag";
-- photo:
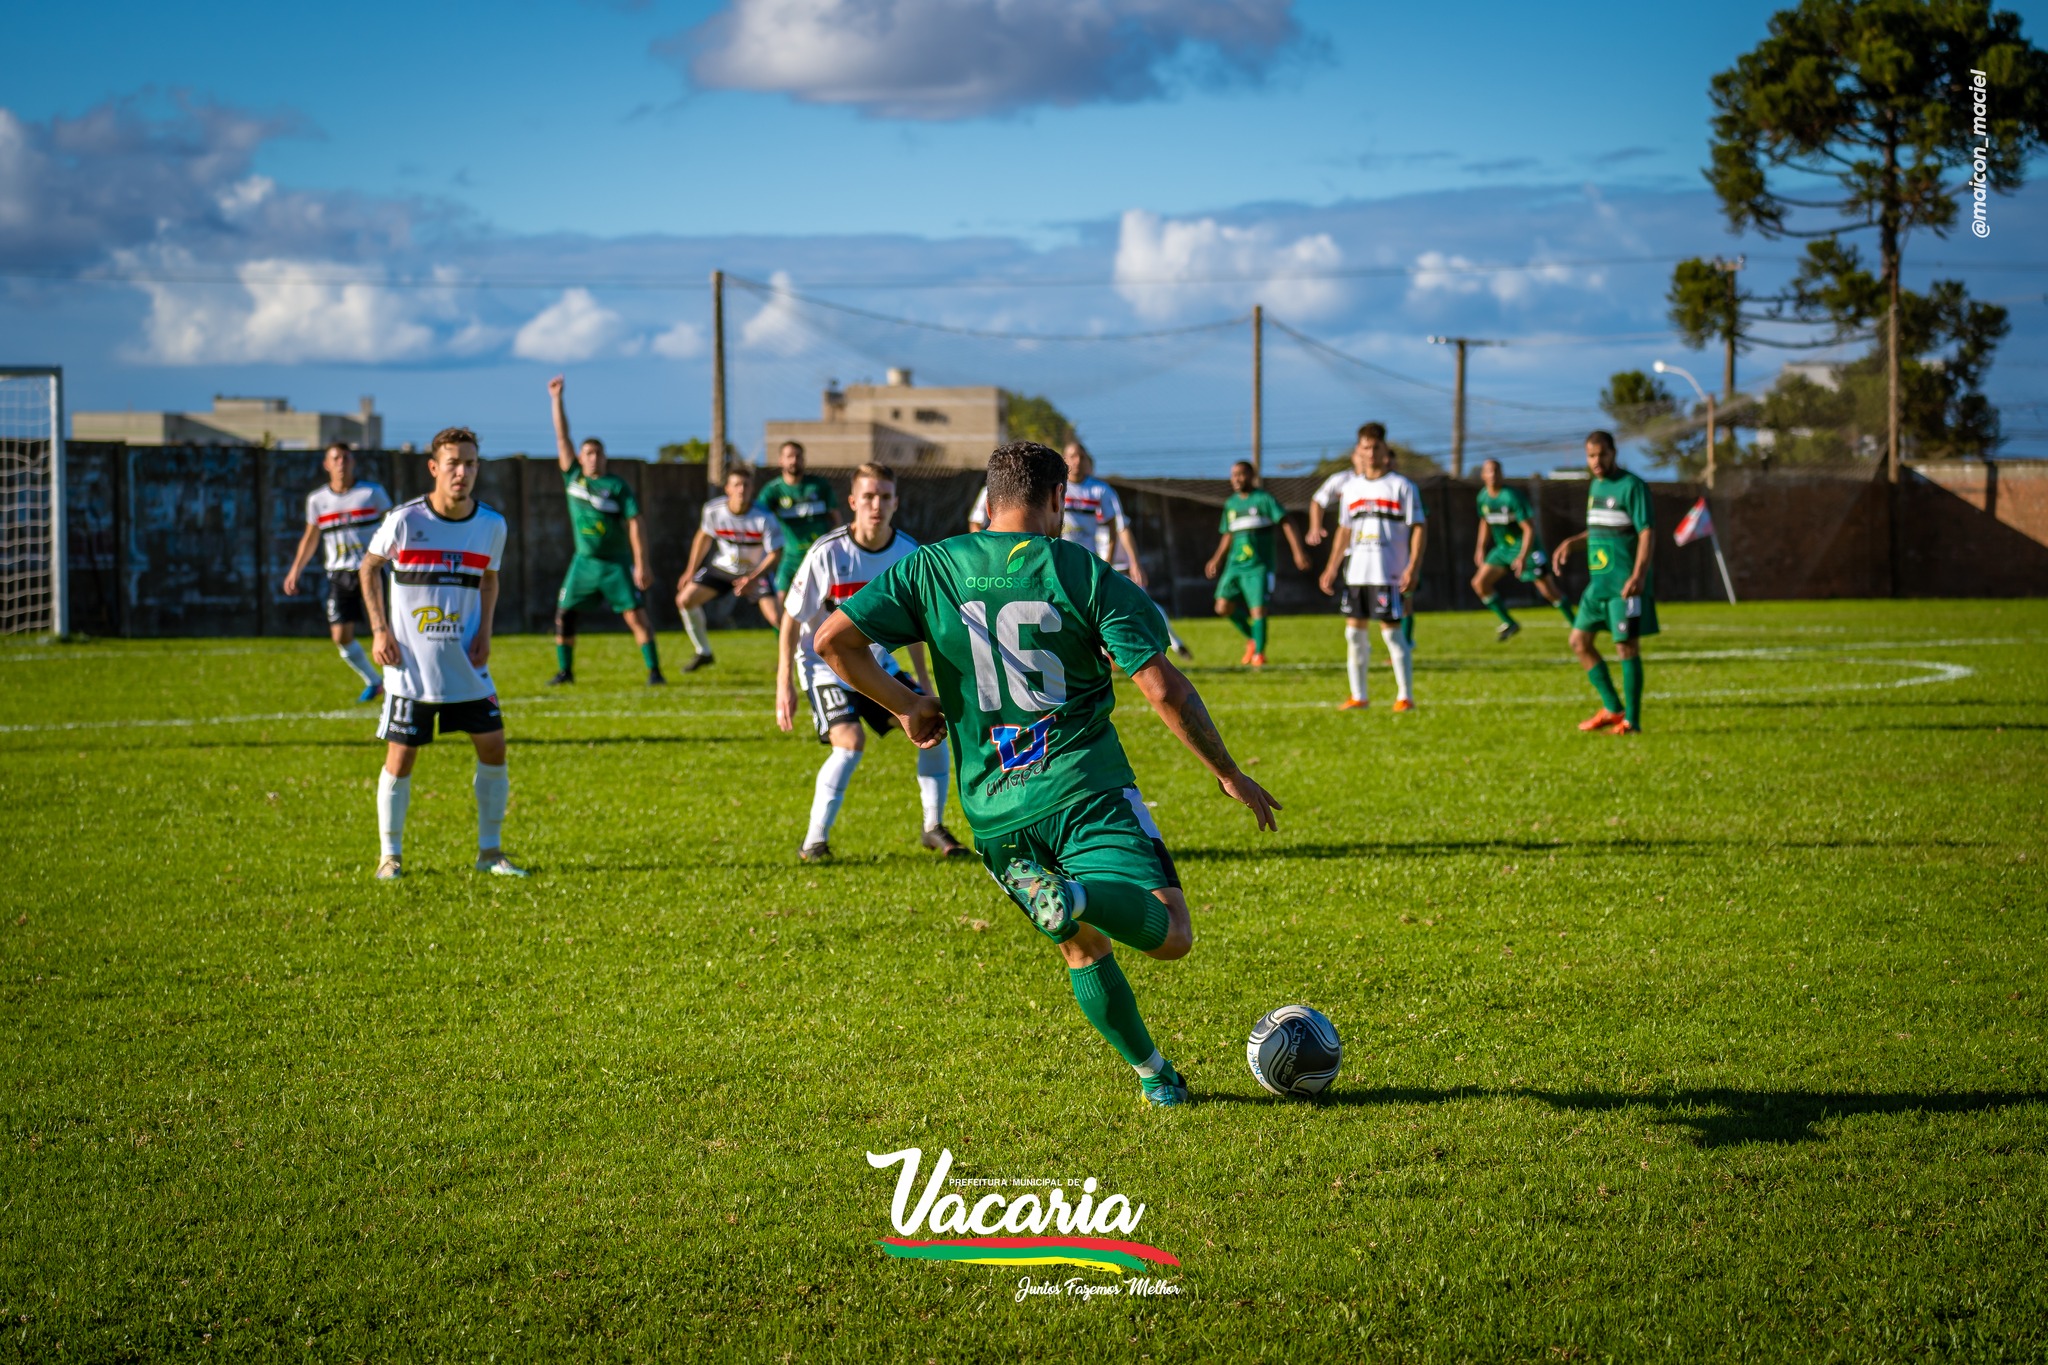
(1698, 522)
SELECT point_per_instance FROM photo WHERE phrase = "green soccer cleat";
(1166, 1090)
(494, 861)
(1044, 898)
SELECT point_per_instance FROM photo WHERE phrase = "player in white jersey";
(340, 517)
(1378, 548)
(736, 550)
(1094, 517)
(434, 640)
(839, 564)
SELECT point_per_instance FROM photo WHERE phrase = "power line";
(1306, 340)
(983, 333)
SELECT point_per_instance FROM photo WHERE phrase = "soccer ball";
(1294, 1051)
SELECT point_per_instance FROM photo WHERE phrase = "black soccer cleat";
(940, 840)
(698, 662)
(654, 678)
(565, 676)
(1507, 631)
(820, 852)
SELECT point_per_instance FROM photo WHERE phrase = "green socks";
(565, 658)
(1603, 683)
(1241, 619)
(650, 656)
(1259, 634)
(1407, 624)
(1105, 997)
(1569, 612)
(1125, 911)
(1498, 608)
(1632, 688)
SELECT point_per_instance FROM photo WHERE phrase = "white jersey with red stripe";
(743, 538)
(1094, 514)
(977, 516)
(437, 575)
(1378, 513)
(346, 521)
(836, 568)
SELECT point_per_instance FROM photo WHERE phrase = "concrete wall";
(177, 541)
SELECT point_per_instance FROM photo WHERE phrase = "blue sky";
(1023, 169)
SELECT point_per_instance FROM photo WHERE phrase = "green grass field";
(1722, 1042)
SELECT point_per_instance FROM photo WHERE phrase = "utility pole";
(1730, 269)
(714, 464)
(1258, 391)
(1458, 408)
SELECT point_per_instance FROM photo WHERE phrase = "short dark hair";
(333, 446)
(1024, 474)
(1243, 464)
(1376, 430)
(1602, 438)
(450, 436)
(797, 446)
(740, 471)
(592, 441)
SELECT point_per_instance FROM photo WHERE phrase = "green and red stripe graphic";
(1096, 1253)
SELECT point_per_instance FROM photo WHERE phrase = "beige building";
(900, 424)
(236, 422)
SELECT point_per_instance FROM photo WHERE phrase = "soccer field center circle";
(1926, 672)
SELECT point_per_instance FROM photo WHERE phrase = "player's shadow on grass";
(1716, 1117)
(1604, 848)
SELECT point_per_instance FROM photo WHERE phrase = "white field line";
(539, 709)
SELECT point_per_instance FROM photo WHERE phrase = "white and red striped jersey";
(835, 569)
(1378, 513)
(1094, 515)
(744, 538)
(346, 521)
(437, 575)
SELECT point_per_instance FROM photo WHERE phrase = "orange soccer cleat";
(1258, 660)
(1351, 704)
(1250, 650)
(1601, 720)
(1403, 704)
(1622, 727)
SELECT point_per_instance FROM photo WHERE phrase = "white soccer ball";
(1294, 1051)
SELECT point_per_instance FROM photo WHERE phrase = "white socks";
(352, 654)
(393, 794)
(493, 793)
(1357, 659)
(1402, 654)
(932, 773)
(698, 631)
(834, 776)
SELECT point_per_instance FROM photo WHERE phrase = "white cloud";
(285, 312)
(574, 327)
(1455, 276)
(684, 341)
(948, 59)
(776, 328)
(1163, 266)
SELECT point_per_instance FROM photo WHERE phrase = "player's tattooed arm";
(383, 645)
(1181, 707)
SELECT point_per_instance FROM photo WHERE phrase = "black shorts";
(345, 599)
(832, 704)
(720, 582)
(1370, 602)
(412, 723)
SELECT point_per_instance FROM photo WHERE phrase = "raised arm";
(565, 451)
(1180, 706)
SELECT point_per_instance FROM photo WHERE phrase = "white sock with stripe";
(835, 774)
(393, 795)
(352, 654)
(493, 794)
(932, 772)
(1403, 656)
(1357, 659)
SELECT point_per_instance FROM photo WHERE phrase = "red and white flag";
(1698, 524)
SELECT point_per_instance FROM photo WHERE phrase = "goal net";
(31, 500)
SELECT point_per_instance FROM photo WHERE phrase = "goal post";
(33, 558)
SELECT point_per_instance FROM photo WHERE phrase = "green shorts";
(1625, 618)
(1106, 836)
(591, 577)
(786, 567)
(1250, 583)
(1537, 565)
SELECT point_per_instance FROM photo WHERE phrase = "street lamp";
(1708, 399)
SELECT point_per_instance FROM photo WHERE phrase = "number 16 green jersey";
(1017, 626)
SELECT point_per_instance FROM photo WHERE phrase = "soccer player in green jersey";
(803, 504)
(1243, 563)
(1019, 623)
(1619, 541)
(610, 562)
(1509, 547)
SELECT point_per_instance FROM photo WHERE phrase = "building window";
(931, 415)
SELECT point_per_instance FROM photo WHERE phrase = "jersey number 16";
(988, 642)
